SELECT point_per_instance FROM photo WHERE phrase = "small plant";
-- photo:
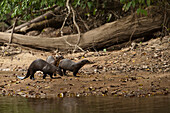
(140, 5)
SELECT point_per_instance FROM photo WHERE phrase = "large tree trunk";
(104, 36)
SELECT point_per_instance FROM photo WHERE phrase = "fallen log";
(45, 16)
(121, 30)
(102, 37)
(40, 42)
(54, 22)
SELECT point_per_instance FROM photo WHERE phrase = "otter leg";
(54, 73)
(51, 75)
(44, 75)
(32, 78)
(60, 72)
(32, 75)
(28, 74)
(64, 71)
(74, 73)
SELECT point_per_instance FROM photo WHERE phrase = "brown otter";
(40, 65)
(67, 64)
(55, 61)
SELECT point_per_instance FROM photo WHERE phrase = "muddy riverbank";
(140, 70)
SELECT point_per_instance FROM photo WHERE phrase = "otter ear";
(89, 62)
(61, 57)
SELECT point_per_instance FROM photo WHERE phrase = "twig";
(164, 23)
(86, 26)
(73, 45)
(10, 40)
(78, 30)
(67, 5)
(132, 32)
(95, 48)
(44, 10)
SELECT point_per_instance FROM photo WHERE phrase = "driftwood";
(45, 16)
(54, 22)
(102, 37)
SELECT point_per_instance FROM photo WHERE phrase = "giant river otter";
(40, 65)
(55, 61)
(67, 64)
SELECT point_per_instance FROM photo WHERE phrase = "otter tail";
(20, 77)
(28, 74)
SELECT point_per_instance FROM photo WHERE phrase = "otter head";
(59, 57)
(85, 61)
(57, 60)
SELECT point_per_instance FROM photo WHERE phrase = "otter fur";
(67, 64)
(40, 65)
(55, 61)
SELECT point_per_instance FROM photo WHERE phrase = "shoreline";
(94, 85)
(143, 70)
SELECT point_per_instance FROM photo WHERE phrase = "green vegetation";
(23, 8)
(140, 5)
(26, 9)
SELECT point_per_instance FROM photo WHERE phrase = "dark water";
(157, 104)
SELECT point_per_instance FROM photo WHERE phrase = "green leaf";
(84, 6)
(89, 4)
(87, 14)
(143, 11)
(94, 12)
(15, 10)
(13, 14)
(138, 11)
(45, 17)
(128, 6)
(76, 3)
(122, 1)
(2, 3)
(133, 3)
(124, 6)
(148, 2)
(104, 50)
(110, 16)
(143, 1)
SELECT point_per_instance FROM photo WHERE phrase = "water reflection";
(155, 104)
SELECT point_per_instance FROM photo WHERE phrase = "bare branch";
(44, 10)
(78, 30)
(10, 40)
(68, 7)
(130, 39)
(86, 26)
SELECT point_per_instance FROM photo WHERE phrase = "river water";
(156, 104)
